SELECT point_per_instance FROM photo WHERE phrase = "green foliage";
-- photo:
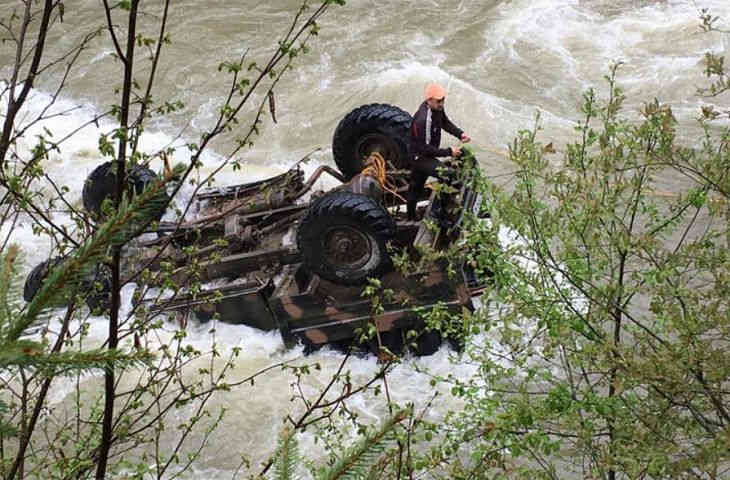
(116, 231)
(24, 353)
(714, 63)
(357, 461)
(604, 353)
(287, 456)
(9, 286)
(169, 396)
(605, 347)
(32, 355)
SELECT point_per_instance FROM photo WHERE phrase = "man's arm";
(449, 126)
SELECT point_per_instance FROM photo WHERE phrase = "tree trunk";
(109, 380)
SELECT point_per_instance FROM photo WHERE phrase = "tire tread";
(372, 118)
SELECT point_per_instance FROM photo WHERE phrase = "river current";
(501, 61)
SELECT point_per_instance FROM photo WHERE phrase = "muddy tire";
(102, 183)
(428, 343)
(34, 280)
(392, 340)
(343, 238)
(96, 284)
(376, 127)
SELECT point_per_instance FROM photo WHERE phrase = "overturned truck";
(274, 254)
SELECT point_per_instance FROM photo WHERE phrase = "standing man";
(425, 143)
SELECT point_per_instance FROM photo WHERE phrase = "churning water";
(502, 61)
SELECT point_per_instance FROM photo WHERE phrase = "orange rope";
(375, 167)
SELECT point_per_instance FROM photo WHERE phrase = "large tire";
(96, 284)
(102, 183)
(343, 238)
(428, 343)
(370, 128)
(392, 340)
(36, 277)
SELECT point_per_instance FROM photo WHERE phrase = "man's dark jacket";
(420, 147)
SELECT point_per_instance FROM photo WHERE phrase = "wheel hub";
(346, 247)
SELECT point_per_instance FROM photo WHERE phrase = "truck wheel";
(371, 128)
(102, 183)
(34, 280)
(343, 238)
(96, 284)
(392, 340)
(428, 343)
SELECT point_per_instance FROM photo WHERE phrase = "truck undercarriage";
(276, 255)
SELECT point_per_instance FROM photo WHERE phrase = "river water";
(502, 61)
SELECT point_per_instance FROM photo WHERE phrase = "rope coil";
(375, 167)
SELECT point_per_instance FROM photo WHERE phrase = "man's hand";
(465, 138)
(455, 151)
